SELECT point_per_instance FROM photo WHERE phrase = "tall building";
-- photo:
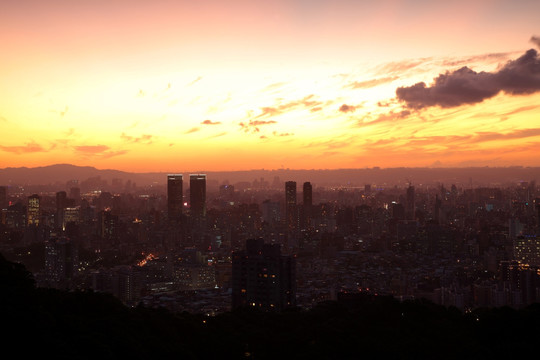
(3, 198)
(61, 204)
(175, 197)
(61, 262)
(291, 213)
(308, 194)
(33, 211)
(527, 249)
(197, 195)
(262, 277)
(307, 205)
(411, 204)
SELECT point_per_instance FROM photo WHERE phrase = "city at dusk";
(260, 180)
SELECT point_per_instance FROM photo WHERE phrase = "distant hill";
(464, 177)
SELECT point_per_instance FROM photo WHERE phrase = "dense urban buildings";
(455, 245)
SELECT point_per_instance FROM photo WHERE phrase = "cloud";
(192, 130)
(282, 134)
(307, 102)
(210, 122)
(400, 66)
(466, 86)
(390, 116)
(371, 83)
(199, 78)
(31, 147)
(535, 40)
(253, 125)
(102, 151)
(347, 108)
(217, 135)
(143, 139)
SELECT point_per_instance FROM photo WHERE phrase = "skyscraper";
(61, 204)
(175, 198)
(307, 205)
(262, 277)
(3, 198)
(291, 213)
(410, 205)
(33, 211)
(197, 196)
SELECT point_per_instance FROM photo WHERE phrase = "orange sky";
(212, 85)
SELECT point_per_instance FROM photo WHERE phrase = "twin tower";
(175, 196)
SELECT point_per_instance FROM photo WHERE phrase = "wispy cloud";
(143, 139)
(210, 122)
(101, 151)
(253, 125)
(31, 147)
(217, 135)
(192, 130)
(199, 78)
(371, 83)
(308, 102)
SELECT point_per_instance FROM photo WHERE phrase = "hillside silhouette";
(59, 174)
(80, 325)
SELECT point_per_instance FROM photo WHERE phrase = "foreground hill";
(80, 325)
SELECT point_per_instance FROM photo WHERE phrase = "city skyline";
(211, 86)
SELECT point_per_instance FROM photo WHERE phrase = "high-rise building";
(197, 195)
(61, 262)
(3, 198)
(527, 249)
(291, 212)
(33, 210)
(307, 205)
(308, 194)
(262, 277)
(175, 197)
(61, 204)
(411, 204)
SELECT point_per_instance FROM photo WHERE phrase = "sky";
(172, 86)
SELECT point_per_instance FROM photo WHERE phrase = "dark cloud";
(466, 86)
(31, 147)
(210, 122)
(535, 40)
(347, 108)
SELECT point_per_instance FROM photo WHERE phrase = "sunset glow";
(238, 85)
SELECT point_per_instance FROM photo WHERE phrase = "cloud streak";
(101, 151)
(210, 122)
(466, 86)
(371, 83)
(31, 147)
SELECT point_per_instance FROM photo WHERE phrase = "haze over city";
(238, 85)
